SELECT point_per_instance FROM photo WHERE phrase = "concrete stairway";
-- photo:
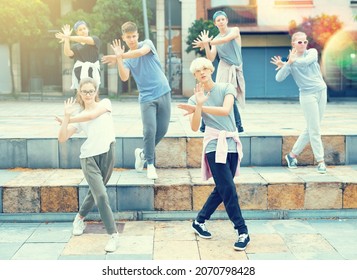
(40, 179)
(264, 193)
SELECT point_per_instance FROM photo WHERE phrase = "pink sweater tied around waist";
(221, 150)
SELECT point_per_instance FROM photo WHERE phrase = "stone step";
(179, 190)
(172, 152)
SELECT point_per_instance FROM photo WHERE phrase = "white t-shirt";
(100, 132)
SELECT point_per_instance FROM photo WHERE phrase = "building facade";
(264, 29)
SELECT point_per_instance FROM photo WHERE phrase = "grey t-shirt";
(227, 123)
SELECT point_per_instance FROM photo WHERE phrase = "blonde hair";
(296, 34)
(200, 63)
(83, 82)
(129, 27)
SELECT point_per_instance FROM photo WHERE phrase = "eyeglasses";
(300, 42)
(90, 92)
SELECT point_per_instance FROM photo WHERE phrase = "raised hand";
(292, 55)
(69, 106)
(276, 60)
(65, 34)
(204, 36)
(200, 95)
(197, 43)
(67, 30)
(117, 48)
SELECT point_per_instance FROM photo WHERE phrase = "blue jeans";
(224, 191)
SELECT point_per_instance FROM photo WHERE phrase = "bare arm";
(119, 50)
(65, 36)
(137, 53)
(233, 34)
(85, 116)
(66, 130)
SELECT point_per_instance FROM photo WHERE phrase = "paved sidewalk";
(34, 119)
(175, 240)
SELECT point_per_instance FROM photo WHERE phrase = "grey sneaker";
(139, 159)
(78, 226)
(292, 162)
(321, 168)
(113, 243)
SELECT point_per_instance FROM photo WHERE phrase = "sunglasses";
(90, 92)
(302, 42)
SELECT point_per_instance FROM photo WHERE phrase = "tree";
(22, 22)
(196, 28)
(109, 16)
(318, 29)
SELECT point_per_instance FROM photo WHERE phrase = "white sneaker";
(78, 226)
(139, 160)
(151, 172)
(113, 243)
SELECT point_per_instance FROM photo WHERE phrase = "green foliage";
(109, 16)
(196, 28)
(23, 21)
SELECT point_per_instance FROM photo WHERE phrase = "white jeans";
(313, 106)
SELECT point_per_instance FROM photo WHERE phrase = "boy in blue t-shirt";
(143, 63)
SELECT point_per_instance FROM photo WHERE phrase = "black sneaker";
(242, 243)
(201, 230)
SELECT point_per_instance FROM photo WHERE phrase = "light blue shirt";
(306, 73)
(148, 75)
(227, 123)
(230, 52)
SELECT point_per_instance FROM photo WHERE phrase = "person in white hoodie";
(303, 65)
(85, 52)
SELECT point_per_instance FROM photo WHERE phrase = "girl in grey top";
(303, 66)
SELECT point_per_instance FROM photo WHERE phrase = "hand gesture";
(197, 43)
(117, 48)
(292, 56)
(204, 36)
(190, 109)
(276, 60)
(69, 106)
(109, 59)
(59, 120)
(65, 34)
(200, 94)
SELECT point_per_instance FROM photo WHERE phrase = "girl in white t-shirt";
(97, 153)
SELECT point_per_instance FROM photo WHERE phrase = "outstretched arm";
(85, 116)
(65, 37)
(234, 34)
